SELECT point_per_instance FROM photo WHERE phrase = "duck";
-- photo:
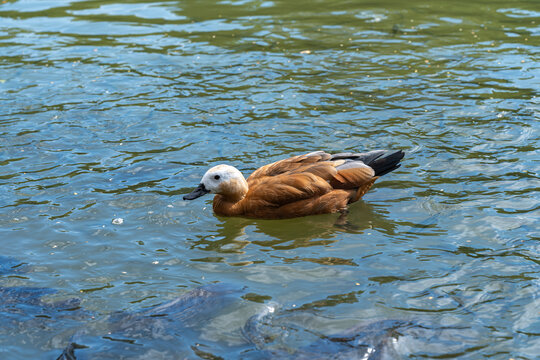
(309, 184)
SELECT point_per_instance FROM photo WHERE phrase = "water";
(113, 110)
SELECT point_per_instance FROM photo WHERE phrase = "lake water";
(113, 110)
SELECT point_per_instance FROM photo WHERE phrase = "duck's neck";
(234, 191)
(227, 207)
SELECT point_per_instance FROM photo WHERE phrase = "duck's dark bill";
(198, 192)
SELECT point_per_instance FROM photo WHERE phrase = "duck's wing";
(352, 174)
(381, 161)
(304, 177)
(318, 173)
(343, 170)
(360, 169)
(275, 191)
(294, 163)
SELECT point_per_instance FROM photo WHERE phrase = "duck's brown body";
(314, 183)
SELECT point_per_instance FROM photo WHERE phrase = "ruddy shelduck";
(314, 183)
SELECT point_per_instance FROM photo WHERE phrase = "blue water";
(113, 110)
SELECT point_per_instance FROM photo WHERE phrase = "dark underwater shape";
(9, 265)
(282, 335)
(28, 318)
(163, 331)
(173, 329)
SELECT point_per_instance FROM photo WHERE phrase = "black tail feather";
(386, 162)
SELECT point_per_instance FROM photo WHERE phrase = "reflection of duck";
(233, 234)
(310, 184)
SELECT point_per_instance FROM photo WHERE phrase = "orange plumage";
(314, 183)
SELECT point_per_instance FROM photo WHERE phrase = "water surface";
(113, 110)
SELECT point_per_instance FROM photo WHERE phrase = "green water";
(114, 110)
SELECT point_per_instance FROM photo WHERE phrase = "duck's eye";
(216, 177)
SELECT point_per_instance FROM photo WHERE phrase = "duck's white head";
(224, 180)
